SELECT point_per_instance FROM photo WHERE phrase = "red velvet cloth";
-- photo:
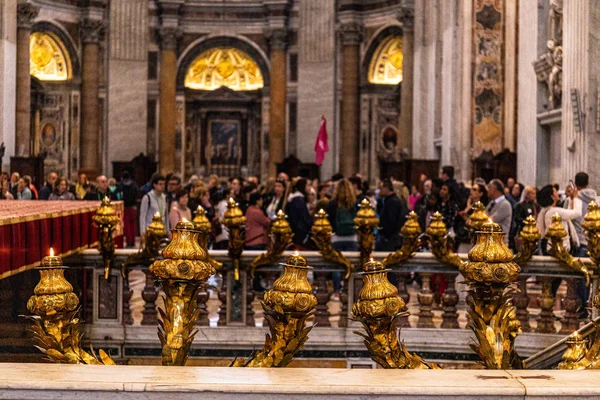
(17, 245)
(5, 235)
(33, 244)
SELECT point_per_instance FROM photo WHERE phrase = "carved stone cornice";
(278, 38)
(351, 33)
(406, 15)
(91, 30)
(26, 13)
(168, 37)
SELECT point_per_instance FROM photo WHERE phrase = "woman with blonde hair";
(401, 191)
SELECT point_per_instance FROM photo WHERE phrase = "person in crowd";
(299, 217)
(358, 187)
(5, 193)
(447, 176)
(101, 190)
(499, 209)
(61, 191)
(586, 195)
(14, 183)
(448, 207)
(235, 184)
(173, 185)
(392, 216)
(510, 182)
(23, 191)
(401, 191)
(129, 191)
(323, 196)
(219, 230)
(526, 207)
(114, 190)
(48, 188)
(477, 193)
(257, 224)
(548, 199)
(341, 212)
(179, 208)
(277, 200)
(34, 193)
(214, 189)
(311, 200)
(282, 176)
(204, 202)
(515, 194)
(415, 195)
(80, 191)
(154, 202)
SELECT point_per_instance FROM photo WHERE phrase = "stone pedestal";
(91, 32)
(350, 146)
(278, 42)
(167, 99)
(26, 13)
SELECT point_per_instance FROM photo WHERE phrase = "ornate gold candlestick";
(530, 236)
(106, 220)
(556, 233)
(321, 233)
(591, 228)
(155, 233)
(366, 221)
(203, 225)
(235, 222)
(182, 270)
(476, 220)
(438, 240)
(377, 307)
(280, 237)
(287, 307)
(575, 355)
(55, 326)
(411, 242)
(489, 271)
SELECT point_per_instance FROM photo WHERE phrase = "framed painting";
(224, 142)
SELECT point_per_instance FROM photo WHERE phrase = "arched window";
(49, 61)
(386, 64)
(222, 66)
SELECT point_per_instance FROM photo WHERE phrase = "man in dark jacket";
(130, 192)
(299, 218)
(101, 190)
(392, 216)
(48, 188)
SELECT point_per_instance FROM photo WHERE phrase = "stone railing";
(435, 330)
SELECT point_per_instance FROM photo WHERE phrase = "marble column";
(349, 149)
(8, 78)
(167, 100)
(26, 13)
(91, 32)
(278, 78)
(406, 94)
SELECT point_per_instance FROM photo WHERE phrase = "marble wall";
(8, 55)
(316, 81)
(127, 80)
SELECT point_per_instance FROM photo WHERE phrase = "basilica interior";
(269, 116)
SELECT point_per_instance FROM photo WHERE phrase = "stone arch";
(65, 40)
(379, 37)
(199, 46)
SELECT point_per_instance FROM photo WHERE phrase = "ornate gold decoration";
(287, 307)
(106, 220)
(489, 271)
(203, 225)
(182, 270)
(321, 233)
(591, 228)
(410, 233)
(377, 308)
(580, 355)
(280, 237)
(235, 222)
(55, 326)
(530, 236)
(476, 220)
(386, 65)
(366, 221)
(227, 67)
(49, 60)
(556, 233)
(438, 240)
(155, 233)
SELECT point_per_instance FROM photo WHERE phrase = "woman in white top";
(547, 198)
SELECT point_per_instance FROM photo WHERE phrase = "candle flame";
(157, 214)
(51, 252)
(296, 253)
(184, 220)
(371, 259)
(490, 221)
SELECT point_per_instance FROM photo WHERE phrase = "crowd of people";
(507, 203)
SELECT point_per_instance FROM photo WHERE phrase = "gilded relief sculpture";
(106, 220)
(287, 307)
(55, 324)
(410, 243)
(181, 272)
(155, 233)
(476, 220)
(438, 242)
(377, 308)
(321, 233)
(235, 222)
(366, 222)
(529, 237)
(280, 238)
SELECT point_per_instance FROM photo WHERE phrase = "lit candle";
(51, 252)
(51, 260)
